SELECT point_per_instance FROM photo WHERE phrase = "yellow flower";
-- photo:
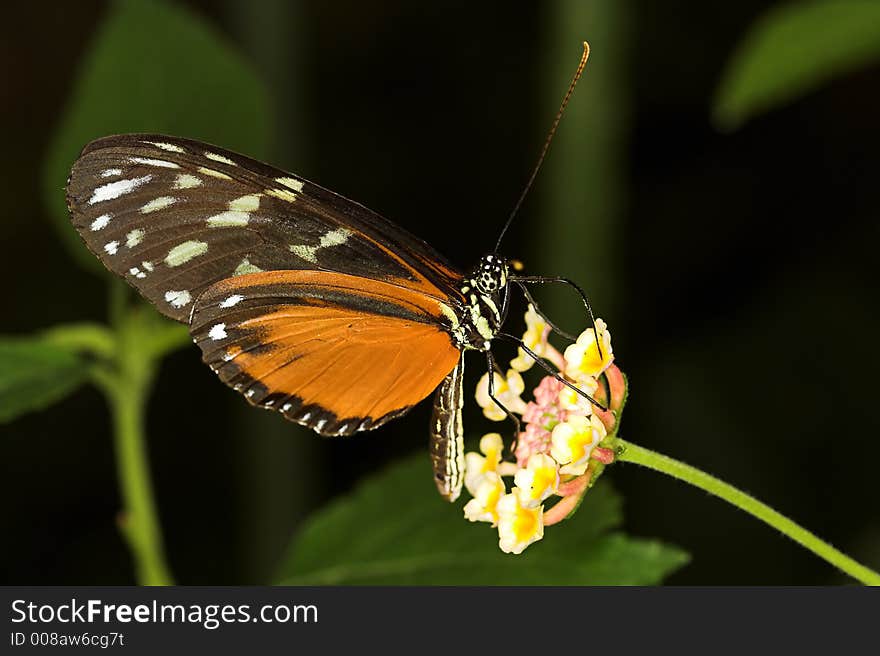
(573, 402)
(538, 480)
(507, 391)
(518, 526)
(484, 506)
(573, 440)
(535, 338)
(582, 358)
(477, 466)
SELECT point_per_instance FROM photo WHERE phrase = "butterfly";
(305, 302)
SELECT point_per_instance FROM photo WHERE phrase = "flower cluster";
(560, 447)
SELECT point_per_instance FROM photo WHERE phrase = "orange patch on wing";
(335, 352)
(351, 364)
(377, 290)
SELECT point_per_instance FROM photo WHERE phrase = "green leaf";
(155, 67)
(92, 338)
(34, 374)
(154, 335)
(394, 529)
(792, 50)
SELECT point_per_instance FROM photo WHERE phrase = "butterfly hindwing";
(334, 352)
(174, 216)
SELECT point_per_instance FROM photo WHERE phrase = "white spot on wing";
(229, 220)
(247, 203)
(134, 237)
(244, 267)
(116, 189)
(282, 194)
(109, 173)
(186, 181)
(178, 298)
(101, 222)
(172, 148)
(111, 247)
(291, 183)
(218, 332)
(335, 237)
(213, 173)
(147, 265)
(184, 252)
(219, 158)
(149, 161)
(310, 253)
(159, 203)
(235, 299)
(307, 253)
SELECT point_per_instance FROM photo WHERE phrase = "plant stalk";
(636, 454)
(138, 521)
(127, 387)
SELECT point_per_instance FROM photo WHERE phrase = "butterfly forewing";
(174, 216)
(334, 352)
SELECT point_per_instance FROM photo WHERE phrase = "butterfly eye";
(486, 283)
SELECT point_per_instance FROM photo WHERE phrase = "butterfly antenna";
(522, 196)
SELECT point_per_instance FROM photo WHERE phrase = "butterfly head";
(490, 276)
(485, 293)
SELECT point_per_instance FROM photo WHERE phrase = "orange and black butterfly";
(303, 301)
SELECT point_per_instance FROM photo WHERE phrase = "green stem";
(138, 522)
(127, 387)
(634, 453)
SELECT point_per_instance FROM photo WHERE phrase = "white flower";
(538, 480)
(582, 358)
(507, 391)
(573, 440)
(573, 402)
(483, 507)
(518, 526)
(534, 338)
(477, 466)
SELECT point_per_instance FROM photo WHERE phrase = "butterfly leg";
(490, 363)
(572, 284)
(549, 369)
(531, 301)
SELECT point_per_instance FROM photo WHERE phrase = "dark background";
(737, 272)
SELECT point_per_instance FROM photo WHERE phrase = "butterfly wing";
(174, 216)
(334, 352)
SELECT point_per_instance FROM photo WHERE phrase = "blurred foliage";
(188, 83)
(583, 184)
(793, 49)
(34, 374)
(394, 530)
